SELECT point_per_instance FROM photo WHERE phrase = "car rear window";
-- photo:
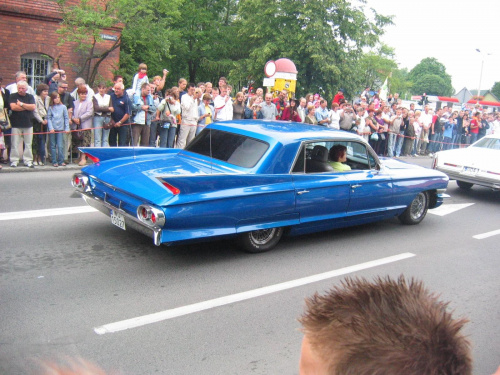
(232, 148)
(493, 143)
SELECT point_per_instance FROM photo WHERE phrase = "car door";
(320, 196)
(371, 188)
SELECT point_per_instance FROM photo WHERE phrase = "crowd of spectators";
(49, 124)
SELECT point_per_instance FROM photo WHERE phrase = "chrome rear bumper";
(130, 221)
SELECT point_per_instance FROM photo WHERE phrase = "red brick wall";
(30, 26)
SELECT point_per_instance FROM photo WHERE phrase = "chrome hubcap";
(263, 236)
(418, 206)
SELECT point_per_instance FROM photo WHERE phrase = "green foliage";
(202, 40)
(145, 31)
(430, 76)
(496, 89)
(324, 38)
(204, 46)
(376, 66)
(431, 84)
(400, 83)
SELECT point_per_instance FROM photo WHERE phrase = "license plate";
(118, 219)
(469, 171)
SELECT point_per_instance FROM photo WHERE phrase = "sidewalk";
(6, 168)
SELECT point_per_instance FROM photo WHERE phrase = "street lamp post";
(481, 74)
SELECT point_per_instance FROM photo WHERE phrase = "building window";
(36, 66)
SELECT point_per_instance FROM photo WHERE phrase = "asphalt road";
(64, 277)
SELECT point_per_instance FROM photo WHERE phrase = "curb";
(6, 168)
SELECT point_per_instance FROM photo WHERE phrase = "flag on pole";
(384, 90)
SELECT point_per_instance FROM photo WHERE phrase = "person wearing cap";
(339, 96)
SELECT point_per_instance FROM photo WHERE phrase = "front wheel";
(464, 185)
(417, 209)
(261, 240)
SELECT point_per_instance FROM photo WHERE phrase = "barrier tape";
(62, 131)
(133, 123)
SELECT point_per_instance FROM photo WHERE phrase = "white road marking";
(43, 213)
(486, 235)
(446, 209)
(205, 305)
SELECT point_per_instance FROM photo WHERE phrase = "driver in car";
(338, 156)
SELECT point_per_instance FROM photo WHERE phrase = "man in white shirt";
(269, 108)
(426, 122)
(301, 109)
(223, 105)
(20, 76)
(189, 120)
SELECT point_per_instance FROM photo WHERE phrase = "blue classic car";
(255, 180)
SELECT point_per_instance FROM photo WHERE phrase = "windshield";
(232, 148)
(493, 143)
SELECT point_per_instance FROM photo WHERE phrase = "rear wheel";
(464, 185)
(261, 240)
(417, 209)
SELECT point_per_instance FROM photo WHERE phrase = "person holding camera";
(166, 114)
(347, 118)
(205, 113)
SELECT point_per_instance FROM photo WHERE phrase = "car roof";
(282, 131)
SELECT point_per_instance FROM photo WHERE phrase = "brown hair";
(82, 89)
(41, 87)
(389, 327)
(53, 96)
(336, 152)
(142, 66)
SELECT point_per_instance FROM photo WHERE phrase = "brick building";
(28, 41)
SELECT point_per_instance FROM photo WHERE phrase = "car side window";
(300, 162)
(358, 156)
(314, 157)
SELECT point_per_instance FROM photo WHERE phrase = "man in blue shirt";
(122, 108)
(322, 113)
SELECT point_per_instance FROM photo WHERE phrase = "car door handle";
(355, 186)
(302, 192)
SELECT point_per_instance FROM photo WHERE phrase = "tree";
(399, 83)
(324, 38)
(205, 44)
(430, 76)
(496, 89)
(142, 23)
(375, 66)
(431, 84)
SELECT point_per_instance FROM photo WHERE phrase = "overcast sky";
(450, 31)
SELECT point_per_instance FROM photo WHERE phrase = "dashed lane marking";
(44, 213)
(210, 304)
(486, 235)
(446, 209)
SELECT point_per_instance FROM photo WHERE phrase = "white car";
(477, 164)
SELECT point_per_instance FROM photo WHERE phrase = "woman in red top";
(474, 127)
(290, 113)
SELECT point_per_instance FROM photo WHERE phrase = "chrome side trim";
(130, 221)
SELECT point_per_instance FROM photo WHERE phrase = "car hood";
(143, 176)
(483, 158)
(397, 164)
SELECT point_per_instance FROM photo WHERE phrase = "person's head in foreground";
(385, 327)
